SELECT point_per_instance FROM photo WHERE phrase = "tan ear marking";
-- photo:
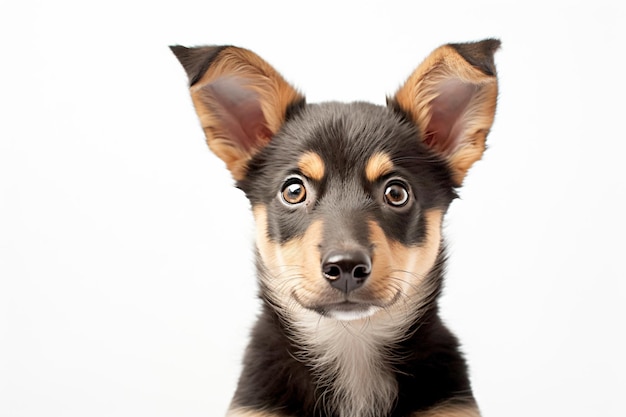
(452, 96)
(261, 77)
(312, 166)
(377, 166)
(240, 99)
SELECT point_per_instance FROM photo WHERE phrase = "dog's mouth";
(347, 309)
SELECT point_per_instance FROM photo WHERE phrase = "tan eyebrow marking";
(378, 165)
(312, 166)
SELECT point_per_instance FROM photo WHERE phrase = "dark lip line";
(324, 309)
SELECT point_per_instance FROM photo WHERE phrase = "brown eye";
(396, 194)
(293, 191)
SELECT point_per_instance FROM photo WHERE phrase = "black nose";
(347, 270)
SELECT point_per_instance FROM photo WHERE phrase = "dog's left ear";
(240, 99)
(451, 97)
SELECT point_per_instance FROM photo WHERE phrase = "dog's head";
(348, 198)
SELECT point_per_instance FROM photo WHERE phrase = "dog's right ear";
(240, 99)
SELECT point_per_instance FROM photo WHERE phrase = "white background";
(126, 276)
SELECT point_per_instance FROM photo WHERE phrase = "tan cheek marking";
(312, 166)
(383, 265)
(390, 257)
(293, 266)
(378, 165)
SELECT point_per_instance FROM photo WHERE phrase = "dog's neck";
(350, 360)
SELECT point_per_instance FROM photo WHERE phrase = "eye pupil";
(396, 195)
(294, 191)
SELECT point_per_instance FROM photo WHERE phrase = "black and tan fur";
(348, 201)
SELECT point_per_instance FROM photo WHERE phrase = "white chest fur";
(350, 363)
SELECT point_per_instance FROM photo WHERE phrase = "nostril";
(361, 272)
(332, 271)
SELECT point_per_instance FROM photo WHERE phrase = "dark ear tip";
(196, 60)
(178, 49)
(479, 54)
(181, 52)
(491, 44)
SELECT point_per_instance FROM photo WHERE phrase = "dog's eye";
(396, 194)
(293, 191)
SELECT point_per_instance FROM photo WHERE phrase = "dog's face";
(348, 198)
(348, 208)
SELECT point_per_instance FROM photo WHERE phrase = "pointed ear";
(451, 96)
(240, 99)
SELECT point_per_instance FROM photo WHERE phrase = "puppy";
(348, 200)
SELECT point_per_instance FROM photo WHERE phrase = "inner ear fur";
(452, 98)
(240, 99)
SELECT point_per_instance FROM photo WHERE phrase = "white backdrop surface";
(126, 274)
